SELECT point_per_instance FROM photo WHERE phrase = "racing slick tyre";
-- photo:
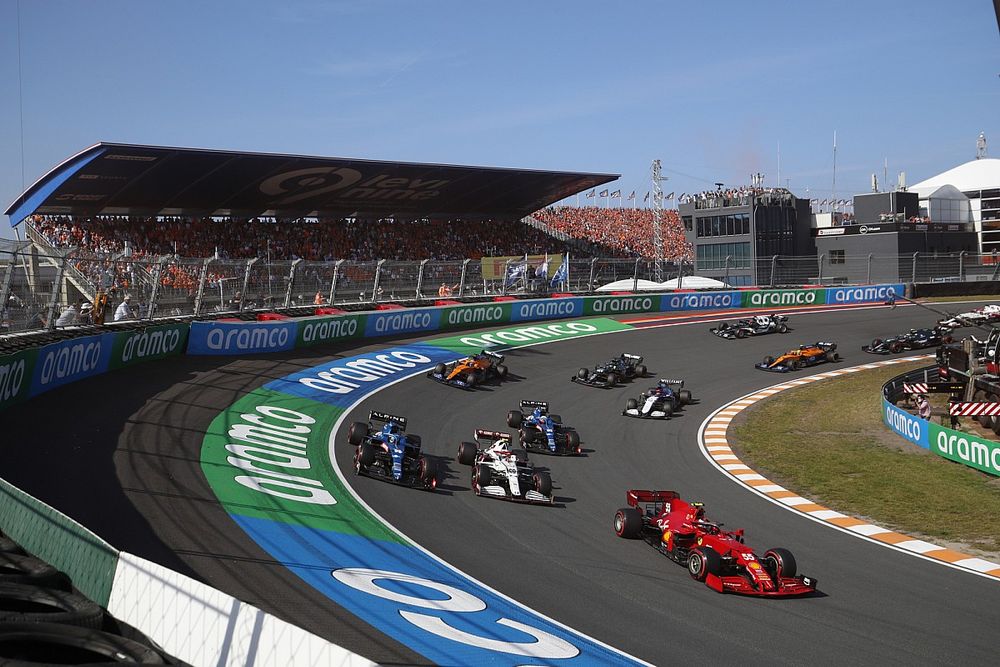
(29, 644)
(631, 404)
(472, 379)
(703, 562)
(357, 433)
(30, 571)
(520, 455)
(502, 371)
(684, 396)
(612, 379)
(32, 604)
(527, 436)
(895, 347)
(583, 373)
(556, 418)
(831, 357)
(768, 361)
(573, 442)
(364, 457)
(414, 440)
(740, 333)
(780, 562)
(794, 364)
(440, 370)
(668, 409)
(543, 483)
(640, 371)
(467, 453)
(947, 339)
(875, 344)
(514, 418)
(481, 476)
(628, 523)
(428, 473)
(782, 328)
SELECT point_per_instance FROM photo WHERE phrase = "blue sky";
(711, 89)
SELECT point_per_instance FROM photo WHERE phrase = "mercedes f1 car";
(916, 339)
(622, 367)
(752, 326)
(659, 402)
(972, 318)
(805, 355)
(501, 472)
(542, 432)
(389, 454)
(678, 530)
(471, 371)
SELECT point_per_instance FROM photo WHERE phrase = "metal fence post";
(914, 276)
(56, 289)
(503, 285)
(680, 274)
(961, 266)
(635, 276)
(8, 280)
(774, 268)
(378, 276)
(593, 267)
(869, 268)
(291, 280)
(461, 280)
(156, 287)
(822, 259)
(726, 278)
(201, 286)
(420, 278)
(333, 281)
(246, 283)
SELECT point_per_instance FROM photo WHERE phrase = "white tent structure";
(979, 182)
(695, 282)
(688, 282)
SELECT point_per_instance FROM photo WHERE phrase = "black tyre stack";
(44, 620)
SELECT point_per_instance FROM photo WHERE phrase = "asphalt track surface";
(120, 453)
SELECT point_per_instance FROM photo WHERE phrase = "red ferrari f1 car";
(678, 529)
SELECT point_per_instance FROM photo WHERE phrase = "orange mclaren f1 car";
(471, 371)
(805, 355)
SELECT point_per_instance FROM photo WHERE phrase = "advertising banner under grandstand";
(241, 337)
(71, 360)
(148, 344)
(316, 330)
(495, 268)
(16, 371)
(767, 298)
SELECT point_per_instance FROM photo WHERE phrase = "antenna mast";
(657, 221)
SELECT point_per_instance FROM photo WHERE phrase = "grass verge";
(826, 441)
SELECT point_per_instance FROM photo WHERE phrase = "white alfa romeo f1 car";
(659, 402)
(499, 471)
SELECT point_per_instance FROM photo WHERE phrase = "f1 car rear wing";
(496, 355)
(635, 496)
(535, 404)
(635, 357)
(492, 436)
(377, 416)
(677, 383)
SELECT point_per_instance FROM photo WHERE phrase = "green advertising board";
(319, 330)
(964, 448)
(616, 305)
(148, 343)
(475, 316)
(768, 298)
(15, 376)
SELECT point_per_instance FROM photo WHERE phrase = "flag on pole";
(647, 196)
(603, 193)
(562, 273)
(616, 193)
(543, 269)
(631, 196)
(670, 196)
(590, 195)
(516, 271)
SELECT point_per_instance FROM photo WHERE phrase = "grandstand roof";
(123, 179)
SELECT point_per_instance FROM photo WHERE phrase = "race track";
(120, 453)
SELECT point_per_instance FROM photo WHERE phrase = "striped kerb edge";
(715, 446)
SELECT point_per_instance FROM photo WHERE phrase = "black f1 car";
(390, 454)
(499, 471)
(622, 367)
(659, 402)
(752, 326)
(542, 432)
(915, 339)
(805, 355)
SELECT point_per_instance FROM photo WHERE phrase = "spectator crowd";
(624, 232)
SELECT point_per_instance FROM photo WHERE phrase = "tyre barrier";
(30, 644)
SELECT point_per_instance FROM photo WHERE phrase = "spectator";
(319, 299)
(86, 314)
(923, 407)
(124, 310)
(68, 317)
(446, 290)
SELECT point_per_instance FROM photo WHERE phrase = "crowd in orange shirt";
(627, 231)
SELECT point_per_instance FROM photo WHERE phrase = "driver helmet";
(537, 413)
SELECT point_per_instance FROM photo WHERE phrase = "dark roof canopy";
(122, 179)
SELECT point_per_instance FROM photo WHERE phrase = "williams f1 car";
(972, 318)
(542, 432)
(678, 530)
(659, 402)
(752, 326)
(471, 371)
(622, 367)
(805, 355)
(501, 472)
(916, 339)
(389, 454)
